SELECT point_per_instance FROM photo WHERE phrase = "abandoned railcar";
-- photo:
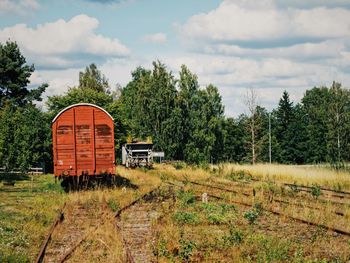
(83, 142)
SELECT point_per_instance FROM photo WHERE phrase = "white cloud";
(64, 43)
(155, 38)
(303, 51)
(268, 45)
(242, 21)
(18, 7)
(270, 76)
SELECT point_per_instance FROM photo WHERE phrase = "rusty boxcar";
(83, 142)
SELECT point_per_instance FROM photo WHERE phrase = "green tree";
(77, 95)
(24, 137)
(92, 78)
(148, 103)
(316, 106)
(285, 132)
(338, 125)
(234, 133)
(14, 77)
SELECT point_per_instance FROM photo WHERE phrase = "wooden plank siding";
(83, 141)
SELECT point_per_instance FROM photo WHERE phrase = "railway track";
(135, 223)
(339, 194)
(324, 197)
(268, 209)
(67, 232)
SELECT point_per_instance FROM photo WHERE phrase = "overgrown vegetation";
(185, 121)
(27, 212)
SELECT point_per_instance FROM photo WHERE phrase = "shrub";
(113, 204)
(186, 218)
(251, 216)
(218, 213)
(185, 197)
(239, 175)
(186, 249)
(315, 190)
(235, 237)
(258, 208)
(179, 165)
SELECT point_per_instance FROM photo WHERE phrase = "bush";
(113, 204)
(179, 165)
(239, 175)
(315, 190)
(235, 237)
(251, 216)
(219, 214)
(185, 197)
(186, 249)
(186, 218)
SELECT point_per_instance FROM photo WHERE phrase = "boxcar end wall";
(83, 141)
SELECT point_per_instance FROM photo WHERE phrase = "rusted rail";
(118, 213)
(59, 219)
(129, 256)
(73, 248)
(336, 230)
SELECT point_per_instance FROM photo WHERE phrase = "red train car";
(83, 141)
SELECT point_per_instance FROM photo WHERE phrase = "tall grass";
(306, 175)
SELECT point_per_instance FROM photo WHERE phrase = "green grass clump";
(268, 249)
(217, 214)
(191, 218)
(251, 216)
(185, 198)
(315, 190)
(234, 238)
(113, 204)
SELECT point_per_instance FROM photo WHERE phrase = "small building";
(137, 154)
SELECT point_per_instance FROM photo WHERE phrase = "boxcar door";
(64, 153)
(104, 142)
(84, 127)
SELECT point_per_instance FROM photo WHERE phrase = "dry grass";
(306, 175)
(105, 244)
(165, 171)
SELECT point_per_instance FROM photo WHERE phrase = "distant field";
(262, 213)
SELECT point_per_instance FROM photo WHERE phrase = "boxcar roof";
(81, 104)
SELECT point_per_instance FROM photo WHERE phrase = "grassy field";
(250, 223)
(26, 213)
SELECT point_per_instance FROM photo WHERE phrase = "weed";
(186, 248)
(113, 204)
(164, 177)
(258, 208)
(315, 190)
(267, 249)
(251, 216)
(13, 257)
(294, 188)
(179, 165)
(185, 197)
(235, 237)
(217, 214)
(191, 218)
(162, 250)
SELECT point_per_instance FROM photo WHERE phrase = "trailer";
(137, 154)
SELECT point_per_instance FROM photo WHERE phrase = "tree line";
(184, 120)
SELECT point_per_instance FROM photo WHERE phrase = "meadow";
(257, 213)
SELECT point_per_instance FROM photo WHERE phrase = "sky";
(266, 45)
